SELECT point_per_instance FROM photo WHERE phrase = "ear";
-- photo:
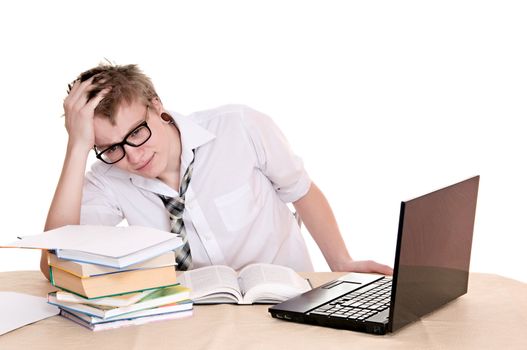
(157, 105)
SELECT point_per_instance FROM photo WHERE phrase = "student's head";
(122, 113)
(128, 84)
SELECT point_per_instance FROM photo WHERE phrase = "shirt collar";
(192, 137)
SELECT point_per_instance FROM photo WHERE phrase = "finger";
(94, 102)
(93, 87)
(370, 266)
(82, 93)
(74, 95)
(72, 92)
(384, 269)
(75, 83)
(78, 90)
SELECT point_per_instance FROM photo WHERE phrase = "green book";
(160, 297)
(112, 300)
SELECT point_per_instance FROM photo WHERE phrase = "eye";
(135, 132)
(112, 149)
(138, 133)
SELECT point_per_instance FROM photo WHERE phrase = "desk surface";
(492, 315)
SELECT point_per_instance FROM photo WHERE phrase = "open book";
(256, 283)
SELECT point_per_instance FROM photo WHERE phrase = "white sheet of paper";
(114, 241)
(20, 309)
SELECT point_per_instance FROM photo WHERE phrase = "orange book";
(113, 283)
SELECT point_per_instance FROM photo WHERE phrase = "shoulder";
(225, 113)
(233, 117)
(232, 121)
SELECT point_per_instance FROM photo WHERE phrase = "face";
(153, 158)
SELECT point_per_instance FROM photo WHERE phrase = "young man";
(219, 178)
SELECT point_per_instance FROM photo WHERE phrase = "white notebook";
(114, 246)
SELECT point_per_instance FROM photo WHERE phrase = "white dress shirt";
(236, 212)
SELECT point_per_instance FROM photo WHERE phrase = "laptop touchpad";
(337, 283)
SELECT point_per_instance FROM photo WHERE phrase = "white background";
(384, 100)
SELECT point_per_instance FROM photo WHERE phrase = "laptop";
(431, 268)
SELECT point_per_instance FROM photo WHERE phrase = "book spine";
(67, 308)
(77, 320)
(51, 279)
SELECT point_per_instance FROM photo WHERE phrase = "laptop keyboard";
(359, 304)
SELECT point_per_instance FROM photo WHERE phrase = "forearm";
(66, 204)
(318, 217)
(79, 111)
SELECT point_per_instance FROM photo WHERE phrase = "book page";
(269, 282)
(211, 280)
(20, 309)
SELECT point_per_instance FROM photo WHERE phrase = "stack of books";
(111, 277)
(100, 297)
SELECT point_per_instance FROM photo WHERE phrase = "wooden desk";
(493, 315)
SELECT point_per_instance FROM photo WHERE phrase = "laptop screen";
(433, 251)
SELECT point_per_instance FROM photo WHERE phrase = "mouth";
(144, 165)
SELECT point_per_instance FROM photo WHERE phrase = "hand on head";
(79, 111)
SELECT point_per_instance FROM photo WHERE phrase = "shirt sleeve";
(275, 157)
(98, 204)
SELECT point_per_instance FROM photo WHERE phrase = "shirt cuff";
(296, 191)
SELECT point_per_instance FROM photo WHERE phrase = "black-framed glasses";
(134, 138)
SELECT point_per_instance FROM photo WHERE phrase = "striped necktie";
(175, 207)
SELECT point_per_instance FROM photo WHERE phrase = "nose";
(133, 154)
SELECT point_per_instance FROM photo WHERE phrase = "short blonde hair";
(128, 84)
